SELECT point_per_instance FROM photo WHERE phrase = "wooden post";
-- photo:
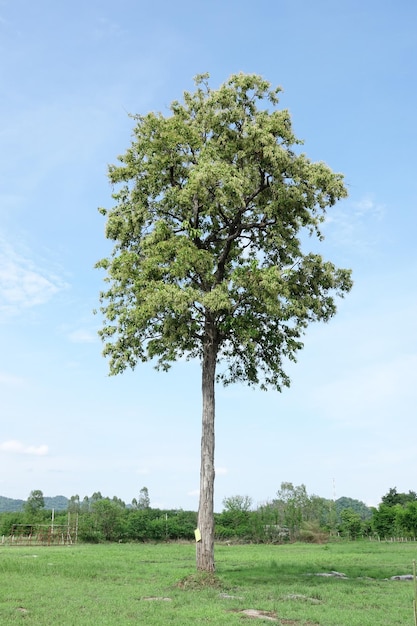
(415, 593)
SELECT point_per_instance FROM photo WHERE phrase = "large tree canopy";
(212, 201)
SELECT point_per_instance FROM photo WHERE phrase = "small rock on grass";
(268, 615)
(333, 573)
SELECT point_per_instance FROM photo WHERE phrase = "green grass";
(156, 585)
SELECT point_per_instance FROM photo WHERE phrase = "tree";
(212, 202)
(144, 501)
(237, 503)
(35, 502)
(385, 520)
(85, 505)
(108, 518)
(393, 497)
(74, 505)
(408, 518)
(234, 521)
(351, 523)
(293, 504)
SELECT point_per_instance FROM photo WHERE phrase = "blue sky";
(69, 75)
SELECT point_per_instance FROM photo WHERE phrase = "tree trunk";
(205, 547)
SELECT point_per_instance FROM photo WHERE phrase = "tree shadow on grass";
(265, 573)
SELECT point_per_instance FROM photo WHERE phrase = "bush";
(311, 532)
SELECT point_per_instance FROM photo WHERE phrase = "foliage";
(236, 521)
(138, 525)
(351, 524)
(74, 504)
(357, 506)
(35, 503)
(144, 501)
(393, 497)
(293, 515)
(210, 203)
(292, 506)
(8, 520)
(234, 524)
(396, 515)
(395, 520)
(181, 525)
(237, 503)
(108, 517)
(312, 532)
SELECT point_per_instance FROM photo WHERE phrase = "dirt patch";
(200, 580)
(269, 616)
(258, 614)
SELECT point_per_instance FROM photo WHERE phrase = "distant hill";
(8, 504)
(356, 505)
(58, 503)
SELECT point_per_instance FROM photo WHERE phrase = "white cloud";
(17, 447)
(22, 286)
(366, 206)
(22, 283)
(193, 492)
(353, 223)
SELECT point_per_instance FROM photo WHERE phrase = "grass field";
(156, 585)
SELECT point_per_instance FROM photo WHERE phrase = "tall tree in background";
(35, 502)
(211, 203)
(293, 504)
(144, 501)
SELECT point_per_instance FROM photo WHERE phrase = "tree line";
(293, 515)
